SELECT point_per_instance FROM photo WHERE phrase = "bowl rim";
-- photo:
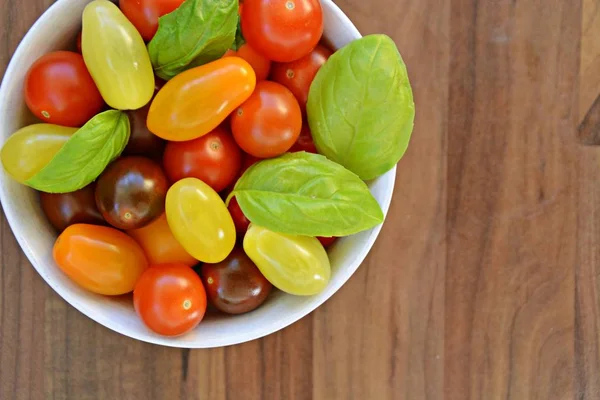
(179, 341)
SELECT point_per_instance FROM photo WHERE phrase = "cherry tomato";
(60, 90)
(305, 141)
(214, 158)
(131, 192)
(116, 56)
(30, 149)
(64, 209)
(260, 64)
(269, 122)
(170, 299)
(198, 100)
(200, 221)
(142, 142)
(282, 30)
(235, 285)
(100, 259)
(239, 219)
(327, 241)
(144, 14)
(294, 264)
(160, 245)
(298, 75)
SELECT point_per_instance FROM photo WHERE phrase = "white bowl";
(57, 29)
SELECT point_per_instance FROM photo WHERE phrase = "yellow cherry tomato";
(196, 101)
(116, 56)
(294, 264)
(199, 220)
(30, 149)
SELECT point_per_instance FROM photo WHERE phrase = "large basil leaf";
(360, 107)
(85, 155)
(306, 194)
(198, 32)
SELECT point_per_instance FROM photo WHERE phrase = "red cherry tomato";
(239, 219)
(305, 141)
(144, 14)
(260, 64)
(327, 241)
(214, 158)
(298, 75)
(247, 161)
(60, 90)
(269, 122)
(282, 30)
(170, 299)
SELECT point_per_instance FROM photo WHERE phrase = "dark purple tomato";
(131, 192)
(142, 142)
(235, 285)
(79, 207)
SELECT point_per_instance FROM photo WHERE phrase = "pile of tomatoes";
(154, 222)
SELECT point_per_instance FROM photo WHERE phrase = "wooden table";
(484, 282)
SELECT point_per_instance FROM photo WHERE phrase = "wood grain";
(484, 283)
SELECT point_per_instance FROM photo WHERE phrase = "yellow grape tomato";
(116, 56)
(200, 221)
(29, 149)
(294, 264)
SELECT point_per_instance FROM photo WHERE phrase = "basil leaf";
(198, 32)
(239, 37)
(306, 194)
(360, 107)
(85, 155)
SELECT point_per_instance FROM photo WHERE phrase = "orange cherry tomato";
(160, 245)
(260, 64)
(196, 101)
(100, 259)
(170, 299)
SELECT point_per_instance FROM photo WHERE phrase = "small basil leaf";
(360, 107)
(85, 155)
(306, 194)
(239, 37)
(198, 32)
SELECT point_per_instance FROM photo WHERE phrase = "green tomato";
(30, 149)
(294, 264)
(200, 221)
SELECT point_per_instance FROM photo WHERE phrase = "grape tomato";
(65, 209)
(294, 264)
(31, 148)
(200, 221)
(100, 259)
(282, 30)
(170, 299)
(159, 244)
(269, 122)
(60, 90)
(214, 158)
(235, 285)
(131, 192)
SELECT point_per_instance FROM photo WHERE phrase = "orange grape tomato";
(160, 245)
(170, 299)
(198, 100)
(100, 259)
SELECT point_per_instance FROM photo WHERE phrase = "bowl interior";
(36, 236)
